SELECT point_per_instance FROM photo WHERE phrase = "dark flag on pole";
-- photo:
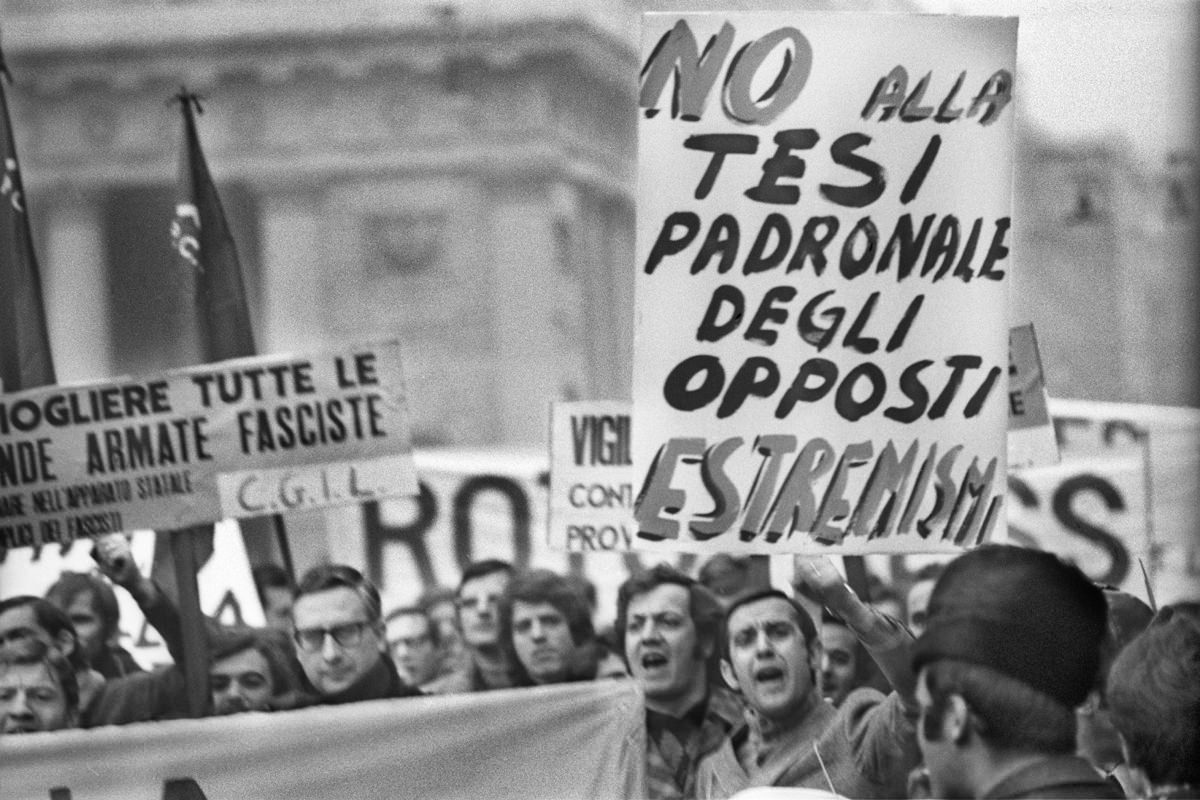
(25, 360)
(205, 255)
(208, 269)
(216, 320)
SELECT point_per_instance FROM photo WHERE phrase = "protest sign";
(584, 740)
(1170, 437)
(1090, 510)
(1031, 439)
(823, 235)
(591, 476)
(237, 438)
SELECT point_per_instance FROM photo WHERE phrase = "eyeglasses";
(347, 635)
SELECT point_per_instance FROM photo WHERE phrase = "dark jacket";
(1056, 777)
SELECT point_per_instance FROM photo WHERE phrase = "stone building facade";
(463, 185)
(1105, 264)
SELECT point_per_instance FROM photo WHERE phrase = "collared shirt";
(674, 745)
(1060, 776)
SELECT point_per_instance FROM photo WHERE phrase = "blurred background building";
(460, 176)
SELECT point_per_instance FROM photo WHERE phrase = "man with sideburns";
(791, 735)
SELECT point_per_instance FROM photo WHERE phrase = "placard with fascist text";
(824, 227)
(239, 438)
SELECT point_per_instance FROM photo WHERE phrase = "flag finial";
(187, 98)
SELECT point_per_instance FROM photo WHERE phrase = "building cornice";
(52, 56)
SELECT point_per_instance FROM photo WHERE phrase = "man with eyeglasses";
(488, 666)
(340, 638)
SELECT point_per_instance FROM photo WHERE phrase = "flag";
(206, 257)
(206, 269)
(25, 360)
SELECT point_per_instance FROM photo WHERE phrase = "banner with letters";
(238, 438)
(583, 740)
(824, 224)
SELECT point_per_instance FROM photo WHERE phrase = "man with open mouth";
(668, 623)
(792, 736)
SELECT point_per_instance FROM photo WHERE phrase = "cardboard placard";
(238, 438)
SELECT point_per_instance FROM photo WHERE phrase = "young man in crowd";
(1011, 647)
(340, 638)
(26, 618)
(252, 670)
(415, 645)
(792, 736)
(668, 623)
(487, 665)
(546, 625)
(275, 592)
(1153, 695)
(91, 605)
(845, 663)
(38, 690)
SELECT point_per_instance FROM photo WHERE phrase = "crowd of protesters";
(1002, 673)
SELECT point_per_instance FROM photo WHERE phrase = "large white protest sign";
(820, 359)
(238, 438)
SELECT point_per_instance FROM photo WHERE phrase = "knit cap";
(1024, 613)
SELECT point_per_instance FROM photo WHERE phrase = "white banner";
(569, 741)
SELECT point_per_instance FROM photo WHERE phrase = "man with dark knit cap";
(1012, 646)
